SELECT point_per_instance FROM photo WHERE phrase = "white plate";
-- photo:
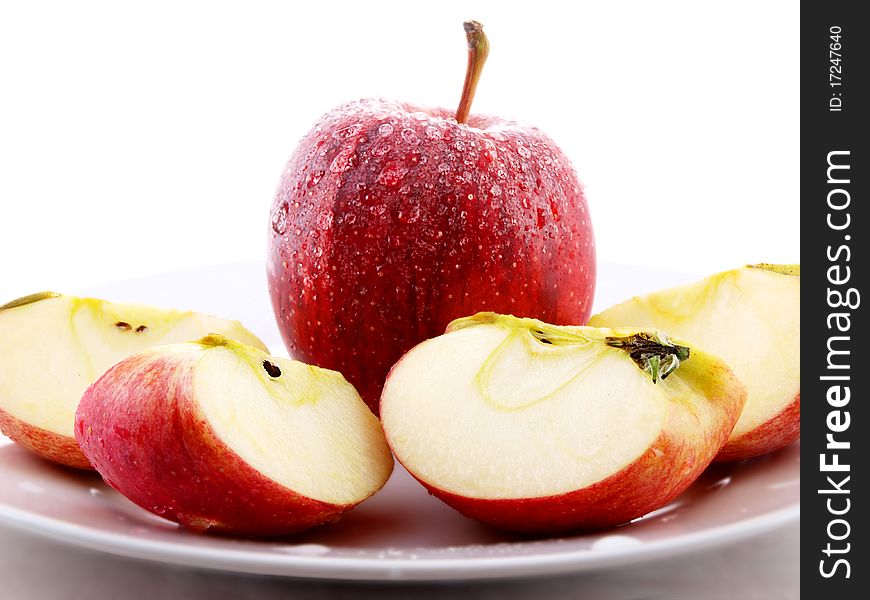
(401, 533)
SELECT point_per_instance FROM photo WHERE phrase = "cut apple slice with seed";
(533, 427)
(218, 435)
(750, 317)
(52, 346)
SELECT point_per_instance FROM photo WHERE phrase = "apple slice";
(537, 428)
(53, 346)
(220, 436)
(750, 317)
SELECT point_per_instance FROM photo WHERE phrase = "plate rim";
(392, 568)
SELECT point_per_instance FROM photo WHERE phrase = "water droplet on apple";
(433, 133)
(420, 116)
(410, 136)
(495, 190)
(523, 151)
(443, 167)
(314, 178)
(349, 218)
(325, 219)
(392, 173)
(413, 214)
(347, 132)
(343, 160)
(279, 218)
(385, 130)
(554, 210)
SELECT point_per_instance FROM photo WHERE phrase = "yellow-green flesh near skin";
(749, 317)
(53, 346)
(305, 427)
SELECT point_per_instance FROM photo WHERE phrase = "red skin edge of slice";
(46, 444)
(775, 433)
(612, 501)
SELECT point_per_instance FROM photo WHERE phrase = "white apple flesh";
(220, 436)
(538, 428)
(750, 317)
(53, 346)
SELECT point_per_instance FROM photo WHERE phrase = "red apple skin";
(139, 426)
(648, 483)
(659, 475)
(775, 433)
(391, 220)
(47, 444)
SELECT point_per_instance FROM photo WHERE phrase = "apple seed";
(272, 369)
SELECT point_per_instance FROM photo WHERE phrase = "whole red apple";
(391, 220)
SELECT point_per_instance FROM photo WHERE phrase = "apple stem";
(478, 50)
(656, 355)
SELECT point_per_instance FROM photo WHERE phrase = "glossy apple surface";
(53, 346)
(222, 437)
(750, 317)
(391, 220)
(536, 428)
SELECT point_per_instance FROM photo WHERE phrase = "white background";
(140, 139)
